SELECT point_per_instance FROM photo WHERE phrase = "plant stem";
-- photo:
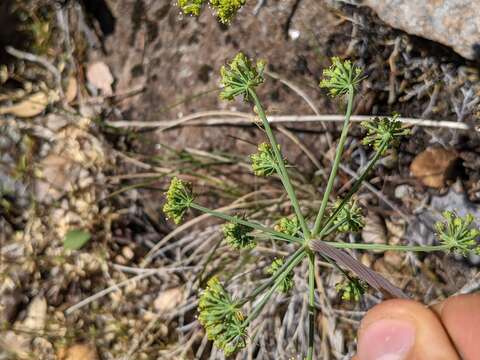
(378, 247)
(284, 237)
(336, 163)
(311, 304)
(353, 190)
(298, 253)
(259, 307)
(234, 219)
(281, 164)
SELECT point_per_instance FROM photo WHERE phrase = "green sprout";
(383, 132)
(288, 225)
(222, 318)
(238, 236)
(457, 234)
(179, 198)
(191, 7)
(226, 9)
(349, 218)
(341, 76)
(263, 161)
(287, 283)
(221, 315)
(352, 289)
(240, 77)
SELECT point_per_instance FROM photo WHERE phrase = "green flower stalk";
(457, 233)
(288, 225)
(191, 7)
(287, 283)
(238, 236)
(226, 9)
(222, 318)
(179, 199)
(341, 77)
(240, 76)
(351, 290)
(383, 132)
(349, 218)
(263, 161)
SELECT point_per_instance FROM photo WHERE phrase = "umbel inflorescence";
(224, 9)
(223, 316)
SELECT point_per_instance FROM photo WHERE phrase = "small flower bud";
(226, 9)
(179, 197)
(383, 132)
(287, 283)
(191, 7)
(457, 233)
(351, 290)
(240, 76)
(222, 318)
(350, 217)
(238, 236)
(263, 162)
(340, 77)
(288, 225)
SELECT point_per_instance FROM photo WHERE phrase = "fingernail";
(386, 339)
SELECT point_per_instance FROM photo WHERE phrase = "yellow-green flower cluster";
(351, 290)
(457, 233)
(240, 77)
(383, 132)
(341, 76)
(263, 161)
(222, 318)
(349, 218)
(238, 236)
(287, 283)
(191, 7)
(288, 225)
(179, 198)
(226, 9)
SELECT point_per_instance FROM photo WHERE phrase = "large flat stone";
(455, 23)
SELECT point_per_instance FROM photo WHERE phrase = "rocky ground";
(91, 269)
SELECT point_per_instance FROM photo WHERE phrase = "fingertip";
(461, 317)
(403, 329)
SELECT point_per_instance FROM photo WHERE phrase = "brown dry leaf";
(55, 180)
(72, 89)
(168, 300)
(433, 167)
(31, 106)
(99, 75)
(78, 352)
(374, 231)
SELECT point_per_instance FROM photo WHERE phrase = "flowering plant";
(219, 313)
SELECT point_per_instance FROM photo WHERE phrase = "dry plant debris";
(433, 167)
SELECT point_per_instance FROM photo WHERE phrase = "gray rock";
(455, 23)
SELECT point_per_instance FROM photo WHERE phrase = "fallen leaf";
(75, 239)
(433, 167)
(72, 89)
(168, 300)
(55, 179)
(374, 231)
(99, 75)
(78, 352)
(33, 105)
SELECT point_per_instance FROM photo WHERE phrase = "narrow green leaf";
(75, 239)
